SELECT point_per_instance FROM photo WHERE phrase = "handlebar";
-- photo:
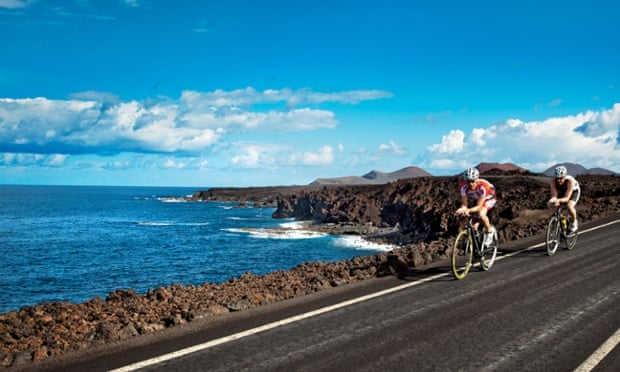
(471, 218)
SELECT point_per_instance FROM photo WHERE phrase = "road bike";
(558, 230)
(469, 244)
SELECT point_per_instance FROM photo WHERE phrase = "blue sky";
(254, 93)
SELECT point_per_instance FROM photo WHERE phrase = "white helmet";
(560, 171)
(471, 174)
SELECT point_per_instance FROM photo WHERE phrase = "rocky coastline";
(415, 215)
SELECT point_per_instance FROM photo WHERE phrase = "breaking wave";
(164, 223)
(278, 233)
(357, 242)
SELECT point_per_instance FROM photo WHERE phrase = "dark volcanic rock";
(250, 196)
(421, 210)
(415, 214)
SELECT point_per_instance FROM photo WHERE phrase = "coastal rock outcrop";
(422, 209)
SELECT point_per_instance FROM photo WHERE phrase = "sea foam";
(277, 233)
(357, 242)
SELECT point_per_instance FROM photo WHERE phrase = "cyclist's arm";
(463, 210)
(554, 193)
(554, 189)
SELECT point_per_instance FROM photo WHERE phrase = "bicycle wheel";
(462, 255)
(553, 235)
(487, 258)
(570, 239)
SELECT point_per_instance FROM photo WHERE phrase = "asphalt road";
(530, 312)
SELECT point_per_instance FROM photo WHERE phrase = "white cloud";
(350, 97)
(590, 138)
(174, 164)
(252, 155)
(324, 156)
(477, 136)
(274, 156)
(448, 164)
(450, 143)
(15, 4)
(32, 160)
(250, 96)
(391, 149)
(56, 160)
(99, 123)
(132, 3)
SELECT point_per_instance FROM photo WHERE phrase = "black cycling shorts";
(575, 195)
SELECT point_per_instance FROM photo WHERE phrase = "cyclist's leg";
(484, 217)
(487, 207)
(572, 210)
(489, 249)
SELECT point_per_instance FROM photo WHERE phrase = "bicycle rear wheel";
(462, 255)
(489, 253)
(553, 235)
(571, 239)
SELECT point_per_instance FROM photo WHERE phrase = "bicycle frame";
(475, 233)
(558, 230)
(469, 243)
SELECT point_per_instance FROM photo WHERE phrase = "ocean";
(74, 243)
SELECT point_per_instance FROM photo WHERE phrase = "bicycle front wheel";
(553, 235)
(462, 255)
(489, 253)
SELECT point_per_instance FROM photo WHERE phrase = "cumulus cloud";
(587, 138)
(99, 123)
(254, 155)
(273, 156)
(324, 156)
(391, 149)
(452, 142)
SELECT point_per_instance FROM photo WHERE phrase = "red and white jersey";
(482, 189)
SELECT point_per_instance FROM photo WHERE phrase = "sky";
(266, 93)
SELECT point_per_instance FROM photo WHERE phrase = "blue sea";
(73, 243)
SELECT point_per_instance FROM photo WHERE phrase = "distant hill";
(497, 168)
(509, 168)
(577, 169)
(374, 177)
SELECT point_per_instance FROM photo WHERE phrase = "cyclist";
(567, 186)
(483, 193)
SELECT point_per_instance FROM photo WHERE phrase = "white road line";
(249, 332)
(543, 243)
(600, 353)
(236, 336)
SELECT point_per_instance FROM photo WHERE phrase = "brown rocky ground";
(415, 214)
